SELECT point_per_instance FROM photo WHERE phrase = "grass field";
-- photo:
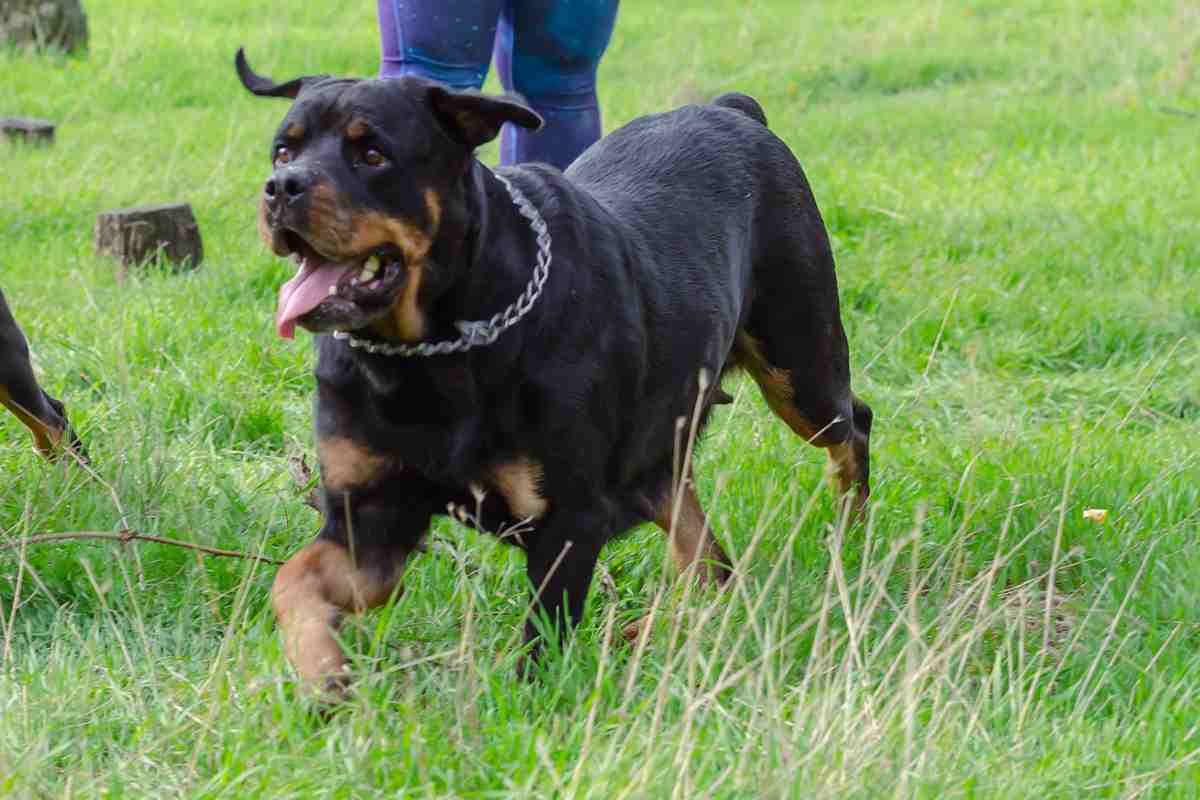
(1011, 190)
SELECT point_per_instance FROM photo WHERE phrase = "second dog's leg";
(20, 393)
(27, 407)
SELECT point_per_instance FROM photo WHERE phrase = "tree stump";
(28, 129)
(40, 24)
(134, 236)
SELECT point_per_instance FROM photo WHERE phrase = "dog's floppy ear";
(474, 118)
(263, 86)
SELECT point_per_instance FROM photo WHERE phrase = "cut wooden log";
(136, 235)
(39, 131)
(41, 24)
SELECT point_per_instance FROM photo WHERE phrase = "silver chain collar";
(476, 333)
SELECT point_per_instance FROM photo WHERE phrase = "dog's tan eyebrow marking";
(357, 129)
(294, 131)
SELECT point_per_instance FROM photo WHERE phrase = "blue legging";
(546, 50)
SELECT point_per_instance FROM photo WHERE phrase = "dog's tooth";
(332, 290)
(370, 267)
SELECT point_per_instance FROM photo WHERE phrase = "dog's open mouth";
(344, 294)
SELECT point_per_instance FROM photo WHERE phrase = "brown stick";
(129, 536)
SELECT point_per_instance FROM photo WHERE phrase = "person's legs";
(444, 40)
(548, 51)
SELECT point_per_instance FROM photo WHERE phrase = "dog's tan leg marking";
(776, 386)
(46, 437)
(519, 482)
(846, 469)
(346, 464)
(844, 465)
(691, 538)
(692, 544)
(311, 593)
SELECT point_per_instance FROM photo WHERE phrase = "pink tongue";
(303, 293)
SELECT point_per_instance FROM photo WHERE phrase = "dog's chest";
(507, 500)
(518, 483)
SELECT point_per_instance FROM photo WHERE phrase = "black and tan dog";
(680, 246)
(19, 392)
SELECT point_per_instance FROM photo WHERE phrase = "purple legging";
(546, 50)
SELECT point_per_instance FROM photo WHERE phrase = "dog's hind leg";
(851, 459)
(805, 381)
(790, 335)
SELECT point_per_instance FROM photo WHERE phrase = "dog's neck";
(497, 254)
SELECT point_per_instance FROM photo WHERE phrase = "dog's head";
(366, 176)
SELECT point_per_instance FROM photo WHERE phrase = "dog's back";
(712, 207)
(727, 241)
(703, 185)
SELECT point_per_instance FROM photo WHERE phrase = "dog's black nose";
(288, 185)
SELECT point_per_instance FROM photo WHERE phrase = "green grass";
(1011, 191)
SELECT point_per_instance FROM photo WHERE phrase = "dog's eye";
(282, 155)
(374, 158)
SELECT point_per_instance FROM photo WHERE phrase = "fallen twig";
(1179, 112)
(127, 536)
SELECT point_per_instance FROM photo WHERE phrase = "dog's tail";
(743, 103)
